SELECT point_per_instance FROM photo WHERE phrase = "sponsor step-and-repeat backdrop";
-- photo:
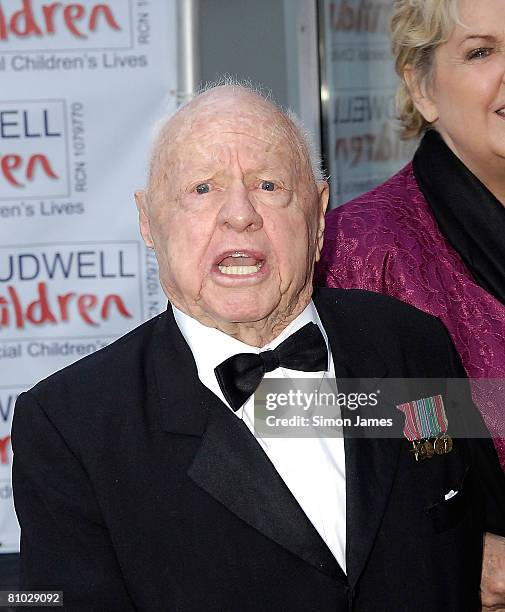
(81, 85)
(363, 147)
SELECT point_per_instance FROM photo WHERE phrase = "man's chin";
(242, 309)
(244, 315)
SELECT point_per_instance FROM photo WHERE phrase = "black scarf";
(468, 214)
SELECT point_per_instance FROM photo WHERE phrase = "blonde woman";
(434, 234)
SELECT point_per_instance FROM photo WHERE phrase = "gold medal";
(415, 449)
(443, 444)
(439, 446)
(428, 447)
(447, 440)
(419, 450)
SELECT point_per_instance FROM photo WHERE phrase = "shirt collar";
(210, 347)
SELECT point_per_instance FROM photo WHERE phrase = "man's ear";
(145, 230)
(323, 191)
(421, 97)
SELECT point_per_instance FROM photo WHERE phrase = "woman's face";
(465, 97)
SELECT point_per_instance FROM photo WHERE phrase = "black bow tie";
(240, 375)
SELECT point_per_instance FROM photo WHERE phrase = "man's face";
(236, 220)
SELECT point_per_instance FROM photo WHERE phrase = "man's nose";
(238, 211)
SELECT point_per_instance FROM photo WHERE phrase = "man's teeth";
(501, 112)
(240, 269)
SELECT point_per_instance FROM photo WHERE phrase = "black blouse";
(468, 214)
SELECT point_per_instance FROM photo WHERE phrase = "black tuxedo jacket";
(136, 488)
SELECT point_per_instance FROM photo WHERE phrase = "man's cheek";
(287, 271)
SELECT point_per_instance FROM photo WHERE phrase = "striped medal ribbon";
(425, 418)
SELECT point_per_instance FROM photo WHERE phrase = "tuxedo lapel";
(370, 462)
(370, 468)
(229, 464)
(232, 467)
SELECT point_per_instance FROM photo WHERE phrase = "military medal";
(426, 426)
(428, 447)
(419, 450)
(443, 444)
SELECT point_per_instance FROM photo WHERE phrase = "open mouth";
(501, 112)
(240, 263)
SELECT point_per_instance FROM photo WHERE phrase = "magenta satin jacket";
(388, 241)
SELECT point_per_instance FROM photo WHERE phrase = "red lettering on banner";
(113, 299)
(3, 26)
(10, 165)
(383, 146)
(360, 15)
(74, 12)
(48, 12)
(4, 447)
(107, 13)
(38, 311)
(18, 312)
(23, 23)
(63, 304)
(44, 162)
(84, 304)
(89, 307)
(4, 313)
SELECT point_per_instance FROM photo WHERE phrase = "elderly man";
(139, 484)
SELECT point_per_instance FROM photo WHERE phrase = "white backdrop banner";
(362, 135)
(81, 85)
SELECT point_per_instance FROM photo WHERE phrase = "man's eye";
(479, 53)
(267, 186)
(202, 188)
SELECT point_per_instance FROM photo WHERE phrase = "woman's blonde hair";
(418, 27)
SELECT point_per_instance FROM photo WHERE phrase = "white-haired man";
(138, 481)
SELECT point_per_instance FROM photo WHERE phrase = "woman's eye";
(202, 188)
(479, 53)
(267, 186)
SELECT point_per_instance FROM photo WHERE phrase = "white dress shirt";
(312, 468)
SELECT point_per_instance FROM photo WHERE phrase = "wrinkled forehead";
(251, 127)
(216, 127)
(225, 143)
